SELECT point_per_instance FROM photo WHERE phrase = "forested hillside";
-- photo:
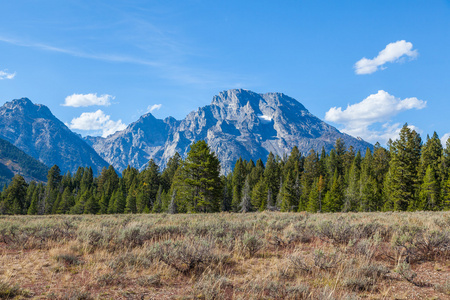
(409, 175)
(15, 161)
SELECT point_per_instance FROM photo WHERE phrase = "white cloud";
(444, 139)
(377, 108)
(392, 53)
(154, 107)
(6, 75)
(97, 121)
(83, 100)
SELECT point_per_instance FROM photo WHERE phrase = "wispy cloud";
(393, 52)
(377, 108)
(154, 107)
(84, 100)
(5, 75)
(97, 120)
(168, 65)
(79, 53)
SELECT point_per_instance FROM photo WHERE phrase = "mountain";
(237, 123)
(15, 161)
(36, 131)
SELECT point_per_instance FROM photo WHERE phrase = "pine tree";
(140, 201)
(169, 172)
(246, 205)
(313, 198)
(272, 177)
(87, 180)
(352, 193)
(238, 183)
(431, 174)
(91, 206)
(78, 208)
(270, 202)
(201, 175)
(151, 179)
(119, 202)
(103, 204)
(369, 194)
(33, 209)
(14, 196)
(334, 198)
(157, 207)
(405, 153)
(293, 163)
(66, 203)
(388, 192)
(445, 195)
(259, 195)
(227, 193)
(29, 196)
(173, 208)
(429, 197)
(289, 200)
(130, 206)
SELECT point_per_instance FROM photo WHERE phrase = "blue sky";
(99, 65)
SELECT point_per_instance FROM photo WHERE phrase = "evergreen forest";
(409, 175)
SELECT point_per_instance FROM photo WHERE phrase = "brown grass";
(265, 255)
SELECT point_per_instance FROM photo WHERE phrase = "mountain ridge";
(237, 123)
(36, 131)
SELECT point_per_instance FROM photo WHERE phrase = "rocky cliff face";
(237, 123)
(36, 131)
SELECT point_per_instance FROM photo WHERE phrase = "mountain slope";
(15, 161)
(236, 123)
(35, 130)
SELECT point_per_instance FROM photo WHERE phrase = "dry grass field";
(226, 256)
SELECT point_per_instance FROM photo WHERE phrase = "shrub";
(129, 259)
(301, 291)
(212, 286)
(326, 261)
(68, 259)
(299, 264)
(421, 245)
(183, 256)
(152, 280)
(110, 279)
(443, 288)
(76, 295)
(404, 269)
(132, 236)
(251, 244)
(340, 232)
(358, 283)
(365, 247)
(374, 271)
(8, 291)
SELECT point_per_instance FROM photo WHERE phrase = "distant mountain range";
(14, 161)
(237, 123)
(35, 130)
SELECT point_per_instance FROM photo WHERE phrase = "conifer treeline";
(409, 175)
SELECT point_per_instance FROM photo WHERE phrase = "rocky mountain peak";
(236, 98)
(24, 106)
(36, 131)
(237, 123)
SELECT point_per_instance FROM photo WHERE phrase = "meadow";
(267, 255)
